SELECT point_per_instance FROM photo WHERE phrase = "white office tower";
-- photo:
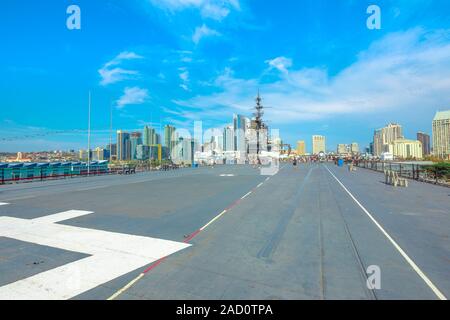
(217, 143)
(385, 136)
(184, 151)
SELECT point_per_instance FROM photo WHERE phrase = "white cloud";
(213, 9)
(126, 55)
(186, 59)
(184, 87)
(110, 76)
(184, 76)
(110, 73)
(282, 64)
(404, 73)
(133, 96)
(202, 32)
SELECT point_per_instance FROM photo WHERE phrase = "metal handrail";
(412, 171)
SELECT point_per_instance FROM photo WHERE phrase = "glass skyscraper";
(228, 138)
(169, 138)
(123, 146)
(135, 141)
(149, 136)
(239, 126)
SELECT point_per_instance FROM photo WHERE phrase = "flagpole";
(89, 136)
(110, 134)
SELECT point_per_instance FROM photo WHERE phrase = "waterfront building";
(385, 136)
(301, 148)
(319, 144)
(135, 140)
(123, 146)
(406, 149)
(426, 142)
(441, 134)
(170, 138)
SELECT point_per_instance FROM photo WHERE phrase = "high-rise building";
(319, 144)
(170, 138)
(301, 148)
(84, 156)
(354, 148)
(147, 135)
(123, 146)
(184, 151)
(112, 150)
(142, 152)
(100, 154)
(342, 149)
(228, 138)
(385, 136)
(426, 142)
(135, 140)
(377, 143)
(441, 134)
(150, 137)
(239, 127)
(406, 149)
(217, 143)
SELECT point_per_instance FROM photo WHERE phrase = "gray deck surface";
(298, 236)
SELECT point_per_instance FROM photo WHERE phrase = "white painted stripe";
(223, 212)
(93, 188)
(246, 195)
(63, 216)
(111, 255)
(430, 284)
(21, 198)
(213, 220)
(260, 185)
(128, 286)
(3, 204)
(268, 179)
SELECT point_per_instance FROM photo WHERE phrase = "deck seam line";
(415, 267)
(155, 264)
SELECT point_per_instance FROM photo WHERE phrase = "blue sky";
(319, 68)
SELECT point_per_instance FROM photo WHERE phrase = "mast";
(259, 113)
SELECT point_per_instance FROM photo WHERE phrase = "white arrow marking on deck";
(111, 256)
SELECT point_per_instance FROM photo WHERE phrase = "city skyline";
(175, 63)
(159, 135)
